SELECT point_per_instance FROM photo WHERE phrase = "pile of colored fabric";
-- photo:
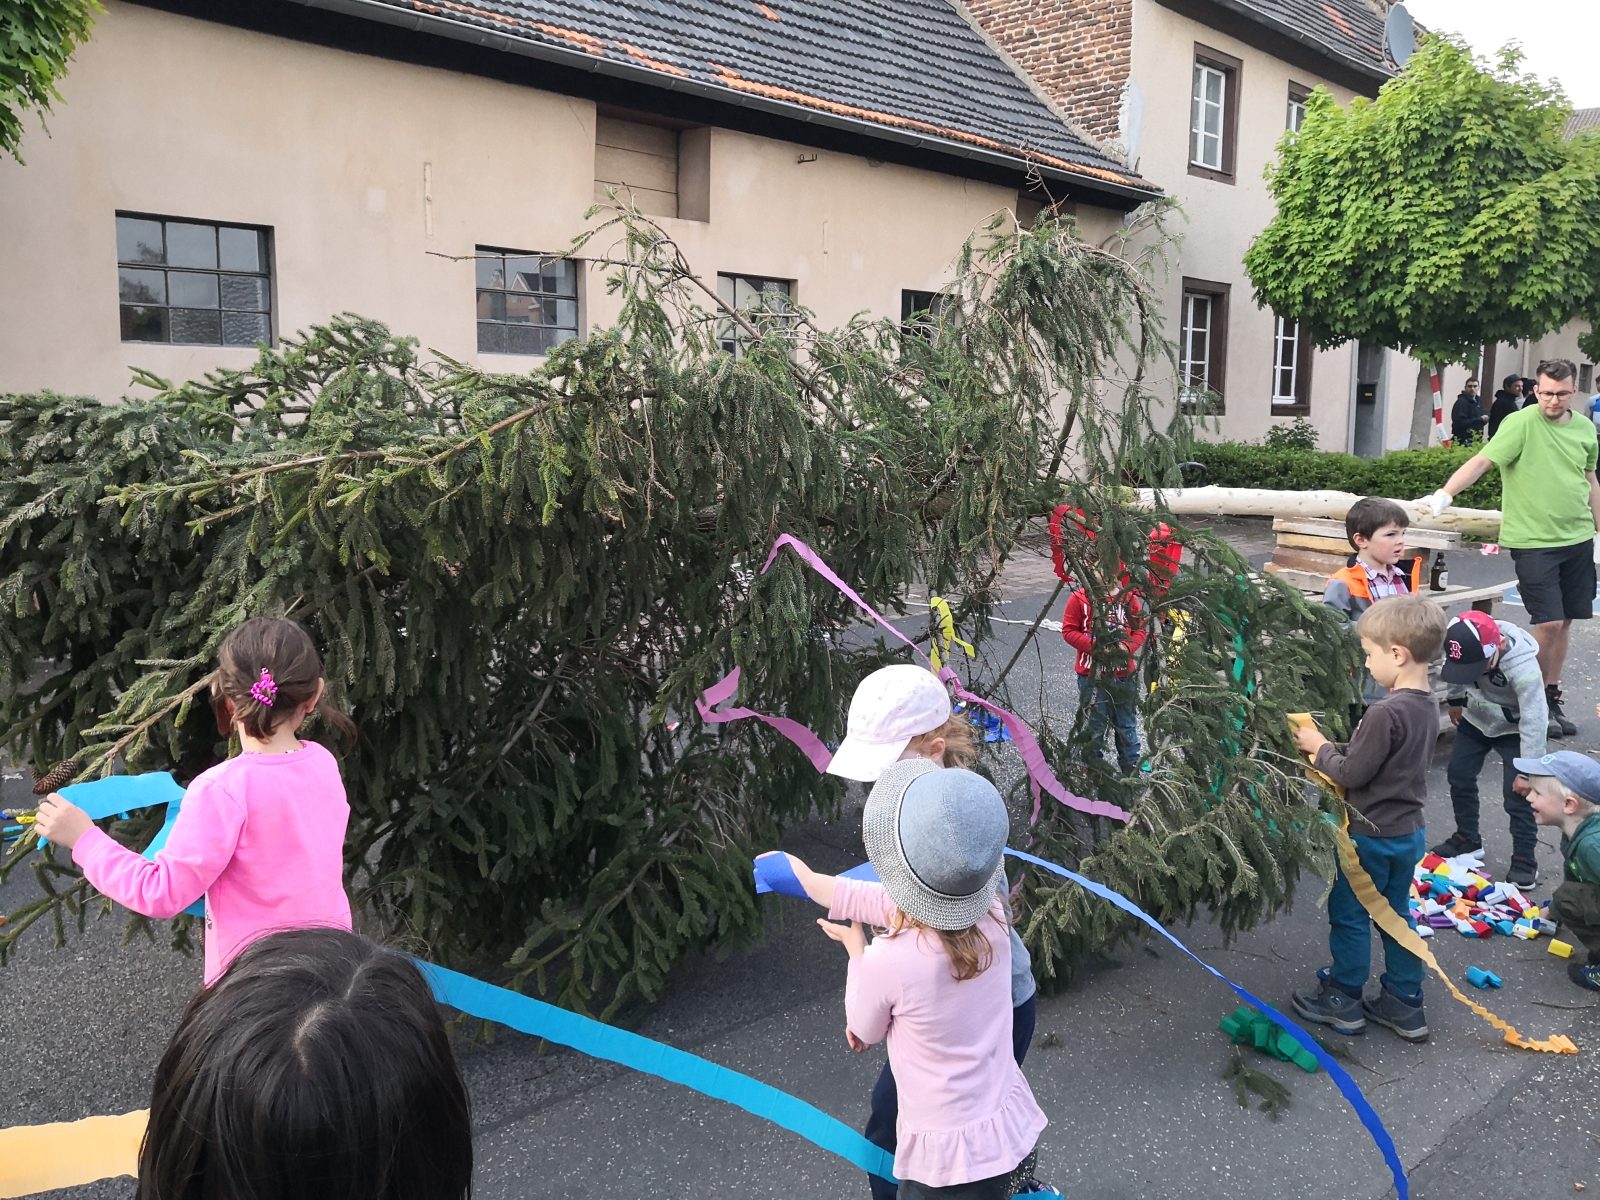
(1455, 893)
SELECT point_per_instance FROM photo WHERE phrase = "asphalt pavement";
(1127, 1063)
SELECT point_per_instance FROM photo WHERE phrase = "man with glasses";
(1467, 416)
(1550, 508)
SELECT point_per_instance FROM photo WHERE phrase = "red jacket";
(1077, 630)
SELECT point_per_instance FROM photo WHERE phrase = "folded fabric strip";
(44, 1158)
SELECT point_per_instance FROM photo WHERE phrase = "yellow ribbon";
(945, 632)
(1396, 926)
(42, 1158)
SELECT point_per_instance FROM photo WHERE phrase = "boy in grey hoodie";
(1497, 701)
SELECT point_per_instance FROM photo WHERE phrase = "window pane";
(563, 313)
(197, 326)
(192, 291)
(1214, 87)
(523, 308)
(491, 337)
(245, 329)
(726, 290)
(141, 287)
(557, 336)
(561, 276)
(191, 245)
(526, 339)
(143, 324)
(139, 240)
(1213, 121)
(491, 271)
(247, 292)
(1198, 88)
(240, 249)
(522, 274)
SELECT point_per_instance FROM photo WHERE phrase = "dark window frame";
(729, 336)
(1232, 70)
(128, 310)
(1304, 353)
(1216, 357)
(483, 254)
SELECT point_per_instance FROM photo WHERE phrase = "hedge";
(1402, 474)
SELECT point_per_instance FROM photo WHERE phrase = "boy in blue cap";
(1565, 792)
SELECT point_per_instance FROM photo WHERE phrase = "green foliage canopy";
(37, 38)
(522, 582)
(1446, 214)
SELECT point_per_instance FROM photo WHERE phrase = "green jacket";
(1581, 852)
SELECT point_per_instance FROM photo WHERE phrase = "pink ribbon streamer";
(1041, 778)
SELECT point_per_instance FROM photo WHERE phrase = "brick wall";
(1077, 51)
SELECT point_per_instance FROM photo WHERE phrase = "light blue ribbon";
(119, 795)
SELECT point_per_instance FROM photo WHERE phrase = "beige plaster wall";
(1223, 218)
(368, 171)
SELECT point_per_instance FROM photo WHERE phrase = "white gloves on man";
(1438, 502)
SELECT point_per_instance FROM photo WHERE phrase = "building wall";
(378, 179)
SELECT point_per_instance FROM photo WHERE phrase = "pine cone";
(56, 777)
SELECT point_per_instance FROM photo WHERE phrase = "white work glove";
(1438, 502)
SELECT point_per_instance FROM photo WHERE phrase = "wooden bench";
(1308, 550)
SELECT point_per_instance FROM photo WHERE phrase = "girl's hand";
(855, 1043)
(852, 937)
(62, 821)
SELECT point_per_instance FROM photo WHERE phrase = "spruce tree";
(522, 582)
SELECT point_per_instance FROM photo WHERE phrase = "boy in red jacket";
(1109, 700)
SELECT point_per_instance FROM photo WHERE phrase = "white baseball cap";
(891, 706)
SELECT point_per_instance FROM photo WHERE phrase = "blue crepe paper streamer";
(587, 1036)
(781, 879)
(118, 795)
(1338, 1074)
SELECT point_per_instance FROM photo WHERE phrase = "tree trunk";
(1262, 502)
(1422, 409)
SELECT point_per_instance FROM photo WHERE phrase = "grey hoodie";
(1508, 697)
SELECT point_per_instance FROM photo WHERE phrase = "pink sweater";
(966, 1112)
(260, 836)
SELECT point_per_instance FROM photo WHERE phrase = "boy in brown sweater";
(1384, 771)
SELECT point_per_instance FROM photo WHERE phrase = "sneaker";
(1524, 871)
(1585, 975)
(1458, 844)
(1391, 1012)
(1331, 1006)
(1558, 718)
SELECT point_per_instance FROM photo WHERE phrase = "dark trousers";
(1577, 907)
(1112, 702)
(996, 1188)
(1471, 747)
(885, 1110)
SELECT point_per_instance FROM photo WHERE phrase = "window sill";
(1199, 172)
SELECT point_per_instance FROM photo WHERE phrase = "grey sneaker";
(1329, 1005)
(1524, 871)
(1560, 727)
(1407, 1020)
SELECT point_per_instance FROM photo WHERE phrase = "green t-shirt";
(1544, 495)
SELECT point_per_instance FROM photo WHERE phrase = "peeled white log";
(1482, 523)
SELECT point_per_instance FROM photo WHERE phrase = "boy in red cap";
(1497, 701)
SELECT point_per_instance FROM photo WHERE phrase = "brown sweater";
(1384, 767)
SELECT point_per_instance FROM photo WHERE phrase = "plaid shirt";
(1386, 583)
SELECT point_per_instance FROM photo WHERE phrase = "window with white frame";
(1213, 114)
(1202, 344)
(1296, 114)
(1291, 366)
(764, 302)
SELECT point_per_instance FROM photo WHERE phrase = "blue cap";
(1579, 773)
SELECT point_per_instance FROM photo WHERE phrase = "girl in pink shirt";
(936, 982)
(260, 836)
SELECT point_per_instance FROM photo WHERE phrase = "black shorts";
(1557, 583)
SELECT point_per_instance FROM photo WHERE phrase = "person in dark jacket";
(1467, 417)
(1506, 401)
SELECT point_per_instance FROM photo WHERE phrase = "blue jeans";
(885, 1110)
(1472, 746)
(1391, 861)
(1112, 702)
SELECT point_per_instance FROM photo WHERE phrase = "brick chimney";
(1078, 53)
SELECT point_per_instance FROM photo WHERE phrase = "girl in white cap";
(935, 982)
(902, 713)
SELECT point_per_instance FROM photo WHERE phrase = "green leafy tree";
(522, 583)
(37, 38)
(1446, 214)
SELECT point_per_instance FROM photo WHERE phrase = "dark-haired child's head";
(1377, 529)
(270, 674)
(316, 1068)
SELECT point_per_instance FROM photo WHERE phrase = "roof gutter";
(445, 26)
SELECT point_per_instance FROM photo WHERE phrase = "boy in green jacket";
(1565, 792)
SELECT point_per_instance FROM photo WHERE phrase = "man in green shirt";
(1550, 509)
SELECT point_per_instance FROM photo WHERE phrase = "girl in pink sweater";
(936, 982)
(260, 836)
